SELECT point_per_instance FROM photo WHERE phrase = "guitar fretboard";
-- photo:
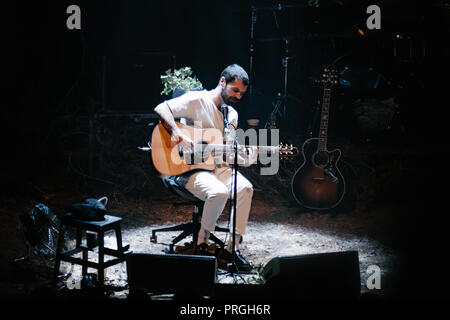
(324, 115)
(225, 148)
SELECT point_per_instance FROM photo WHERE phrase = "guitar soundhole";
(320, 158)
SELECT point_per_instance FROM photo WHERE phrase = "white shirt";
(199, 106)
(196, 106)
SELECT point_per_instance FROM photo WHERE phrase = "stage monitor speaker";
(314, 276)
(191, 275)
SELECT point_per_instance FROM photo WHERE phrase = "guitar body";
(318, 184)
(168, 159)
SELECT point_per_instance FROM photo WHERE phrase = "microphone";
(227, 134)
(224, 109)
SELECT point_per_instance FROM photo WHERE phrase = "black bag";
(89, 210)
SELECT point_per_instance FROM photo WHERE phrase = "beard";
(227, 99)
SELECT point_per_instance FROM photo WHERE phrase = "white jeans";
(215, 188)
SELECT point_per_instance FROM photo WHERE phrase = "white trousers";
(215, 188)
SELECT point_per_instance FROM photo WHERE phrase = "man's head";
(233, 81)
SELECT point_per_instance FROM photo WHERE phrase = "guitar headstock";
(330, 76)
(287, 151)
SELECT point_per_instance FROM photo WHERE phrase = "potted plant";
(179, 82)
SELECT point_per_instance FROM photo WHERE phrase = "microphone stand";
(232, 268)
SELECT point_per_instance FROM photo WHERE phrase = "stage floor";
(273, 230)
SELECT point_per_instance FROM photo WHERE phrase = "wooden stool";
(100, 227)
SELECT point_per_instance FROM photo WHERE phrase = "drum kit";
(372, 111)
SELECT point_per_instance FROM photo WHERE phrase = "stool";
(189, 228)
(100, 227)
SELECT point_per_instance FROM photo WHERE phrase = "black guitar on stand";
(318, 184)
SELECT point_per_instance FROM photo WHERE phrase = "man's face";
(233, 91)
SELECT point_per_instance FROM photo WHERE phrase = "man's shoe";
(204, 249)
(187, 248)
(224, 257)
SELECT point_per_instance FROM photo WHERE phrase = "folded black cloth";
(89, 210)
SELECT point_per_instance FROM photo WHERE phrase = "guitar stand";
(281, 99)
(276, 113)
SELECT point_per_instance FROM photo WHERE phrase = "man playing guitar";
(206, 109)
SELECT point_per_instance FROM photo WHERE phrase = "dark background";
(63, 78)
(114, 62)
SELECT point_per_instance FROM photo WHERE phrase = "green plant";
(180, 79)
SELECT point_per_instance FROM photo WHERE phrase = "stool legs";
(119, 238)
(101, 265)
(101, 258)
(84, 268)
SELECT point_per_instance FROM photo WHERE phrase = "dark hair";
(233, 72)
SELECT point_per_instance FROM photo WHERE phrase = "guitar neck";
(230, 147)
(324, 115)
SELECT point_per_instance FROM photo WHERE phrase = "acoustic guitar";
(318, 183)
(169, 158)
